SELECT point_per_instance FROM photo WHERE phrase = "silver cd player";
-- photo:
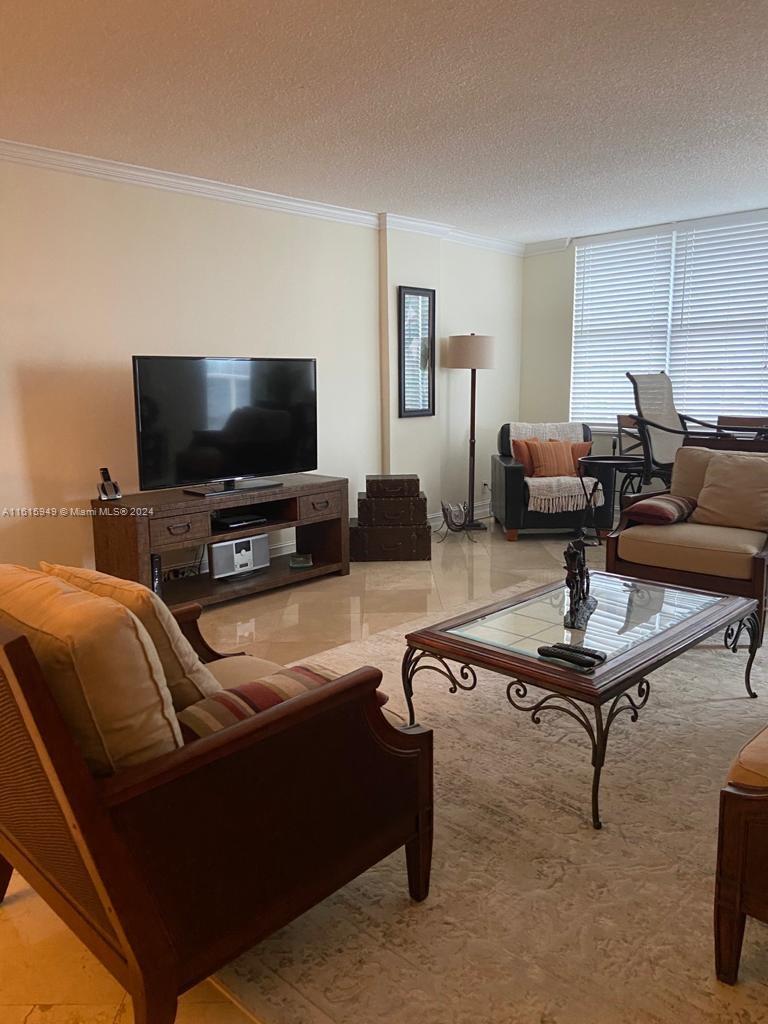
(233, 557)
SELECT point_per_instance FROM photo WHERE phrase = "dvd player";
(235, 519)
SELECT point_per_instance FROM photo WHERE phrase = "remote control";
(571, 657)
(590, 652)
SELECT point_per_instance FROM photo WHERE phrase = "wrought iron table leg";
(750, 625)
(597, 732)
(413, 662)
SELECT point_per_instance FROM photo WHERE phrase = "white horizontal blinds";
(719, 326)
(620, 322)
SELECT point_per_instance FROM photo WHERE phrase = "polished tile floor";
(46, 975)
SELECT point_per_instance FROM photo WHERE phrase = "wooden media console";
(127, 532)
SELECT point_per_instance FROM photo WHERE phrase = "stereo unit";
(232, 557)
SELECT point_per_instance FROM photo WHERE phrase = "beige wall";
(482, 292)
(545, 379)
(93, 271)
(477, 290)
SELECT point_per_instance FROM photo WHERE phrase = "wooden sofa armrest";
(188, 618)
(198, 757)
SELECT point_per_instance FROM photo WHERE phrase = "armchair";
(741, 887)
(170, 868)
(509, 489)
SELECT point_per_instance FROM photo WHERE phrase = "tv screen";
(201, 419)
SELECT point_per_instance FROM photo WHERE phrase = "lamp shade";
(470, 352)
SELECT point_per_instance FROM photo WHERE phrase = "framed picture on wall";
(416, 350)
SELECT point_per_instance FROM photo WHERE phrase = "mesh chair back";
(656, 401)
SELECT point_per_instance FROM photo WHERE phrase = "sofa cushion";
(693, 547)
(735, 492)
(579, 450)
(100, 666)
(522, 453)
(551, 458)
(750, 766)
(661, 509)
(187, 677)
(691, 466)
(248, 698)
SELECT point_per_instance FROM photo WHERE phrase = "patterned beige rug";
(533, 917)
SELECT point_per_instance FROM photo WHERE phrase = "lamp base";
(475, 525)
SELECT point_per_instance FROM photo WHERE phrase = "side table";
(592, 468)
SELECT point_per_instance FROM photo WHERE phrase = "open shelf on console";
(204, 590)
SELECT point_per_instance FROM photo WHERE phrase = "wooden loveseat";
(170, 858)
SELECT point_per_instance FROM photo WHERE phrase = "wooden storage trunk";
(391, 486)
(389, 543)
(391, 511)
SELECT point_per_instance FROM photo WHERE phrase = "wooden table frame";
(568, 692)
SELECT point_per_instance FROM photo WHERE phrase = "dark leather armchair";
(170, 869)
(509, 494)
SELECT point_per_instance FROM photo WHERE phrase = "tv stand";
(234, 487)
(161, 522)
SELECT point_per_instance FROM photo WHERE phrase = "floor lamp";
(471, 352)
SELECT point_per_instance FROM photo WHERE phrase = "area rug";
(533, 917)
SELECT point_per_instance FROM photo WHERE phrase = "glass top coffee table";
(638, 625)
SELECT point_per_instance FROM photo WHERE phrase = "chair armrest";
(237, 740)
(508, 492)
(188, 618)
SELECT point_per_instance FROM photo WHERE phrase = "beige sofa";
(722, 547)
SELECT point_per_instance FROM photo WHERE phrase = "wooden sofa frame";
(170, 869)
(741, 886)
(753, 587)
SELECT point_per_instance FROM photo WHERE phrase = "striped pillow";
(551, 458)
(228, 707)
(661, 510)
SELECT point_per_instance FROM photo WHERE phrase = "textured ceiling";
(527, 120)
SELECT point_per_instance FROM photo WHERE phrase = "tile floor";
(46, 975)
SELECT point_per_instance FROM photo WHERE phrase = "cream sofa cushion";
(735, 492)
(240, 669)
(750, 766)
(187, 677)
(691, 465)
(100, 665)
(693, 547)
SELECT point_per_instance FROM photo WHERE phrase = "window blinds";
(692, 302)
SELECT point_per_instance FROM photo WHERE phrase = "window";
(689, 300)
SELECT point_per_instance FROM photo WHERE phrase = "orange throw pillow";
(551, 458)
(578, 450)
(522, 453)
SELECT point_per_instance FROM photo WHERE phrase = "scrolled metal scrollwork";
(750, 625)
(413, 663)
(550, 702)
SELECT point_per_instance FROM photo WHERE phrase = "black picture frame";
(423, 402)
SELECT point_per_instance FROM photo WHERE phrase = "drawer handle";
(179, 528)
(320, 506)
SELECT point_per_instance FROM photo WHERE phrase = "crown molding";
(447, 232)
(554, 245)
(131, 174)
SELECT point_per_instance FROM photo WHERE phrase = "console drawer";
(325, 505)
(173, 529)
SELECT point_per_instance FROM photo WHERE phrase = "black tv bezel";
(212, 480)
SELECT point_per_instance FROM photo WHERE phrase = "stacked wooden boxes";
(391, 524)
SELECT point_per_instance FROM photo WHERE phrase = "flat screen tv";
(202, 420)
